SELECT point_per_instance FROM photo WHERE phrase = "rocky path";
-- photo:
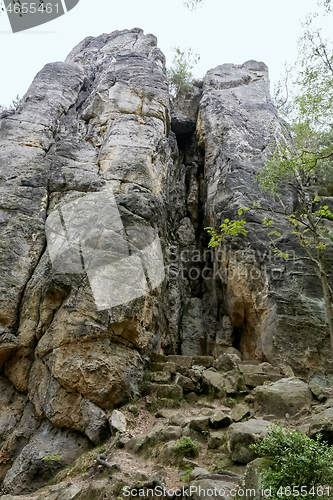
(220, 406)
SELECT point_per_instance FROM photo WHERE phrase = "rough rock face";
(242, 435)
(105, 189)
(87, 148)
(98, 125)
(276, 310)
(286, 396)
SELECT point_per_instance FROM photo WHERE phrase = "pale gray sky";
(220, 31)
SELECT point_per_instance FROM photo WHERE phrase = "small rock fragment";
(118, 421)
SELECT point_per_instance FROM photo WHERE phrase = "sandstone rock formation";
(286, 396)
(106, 186)
(237, 126)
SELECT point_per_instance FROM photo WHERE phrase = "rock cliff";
(106, 186)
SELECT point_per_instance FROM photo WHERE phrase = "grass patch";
(185, 447)
(80, 466)
(185, 476)
(51, 457)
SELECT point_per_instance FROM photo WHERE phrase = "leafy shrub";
(180, 74)
(229, 228)
(185, 447)
(300, 466)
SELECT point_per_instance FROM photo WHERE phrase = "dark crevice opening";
(185, 141)
(237, 333)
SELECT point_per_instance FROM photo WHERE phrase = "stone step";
(159, 358)
(258, 374)
(206, 361)
(159, 377)
(185, 382)
(167, 366)
(249, 368)
(183, 361)
(255, 379)
(154, 366)
(253, 362)
(169, 391)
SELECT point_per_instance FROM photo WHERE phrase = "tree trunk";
(328, 300)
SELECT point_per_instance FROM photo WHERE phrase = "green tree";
(180, 73)
(299, 466)
(311, 223)
(306, 163)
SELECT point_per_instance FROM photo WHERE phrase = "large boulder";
(286, 396)
(321, 386)
(96, 489)
(259, 374)
(252, 480)
(47, 452)
(213, 486)
(241, 435)
(223, 384)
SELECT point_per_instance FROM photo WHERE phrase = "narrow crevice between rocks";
(198, 316)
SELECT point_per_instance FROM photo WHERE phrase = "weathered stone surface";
(252, 480)
(219, 420)
(192, 328)
(186, 383)
(96, 423)
(93, 129)
(82, 140)
(163, 377)
(98, 140)
(271, 320)
(259, 374)
(64, 409)
(240, 412)
(47, 451)
(216, 439)
(322, 423)
(98, 489)
(321, 386)
(199, 424)
(185, 110)
(118, 421)
(18, 422)
(242, 435)
(222, 384)
(206, 361)
(215, 486)
(287, 396)
(181, 361)
(157, 435)
(165, 391)
(226, 362)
